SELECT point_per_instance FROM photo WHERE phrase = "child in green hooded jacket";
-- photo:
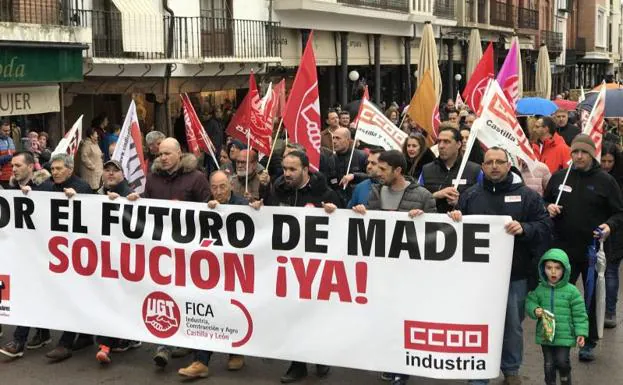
(555, 295)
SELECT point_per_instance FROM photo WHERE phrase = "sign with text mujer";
(422, 296)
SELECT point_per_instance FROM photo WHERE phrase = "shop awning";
(142, 24)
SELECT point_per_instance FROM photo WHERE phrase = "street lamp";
(457, 79)
(353, 76)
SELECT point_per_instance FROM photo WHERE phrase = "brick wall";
(36, 11)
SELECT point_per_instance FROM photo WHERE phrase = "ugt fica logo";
(161, 314)
(5, 288)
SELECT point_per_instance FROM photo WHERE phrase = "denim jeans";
(203, 356)
(612, 286)
(21, 333)
(556, 358)
(512, 346)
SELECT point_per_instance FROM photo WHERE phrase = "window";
(600, 28)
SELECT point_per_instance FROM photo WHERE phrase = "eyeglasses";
(497, 162)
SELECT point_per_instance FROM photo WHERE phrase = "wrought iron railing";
(528, 18)
(501, 14)
(149, 37)
(552, 39)
(444, 9)
(392, 5)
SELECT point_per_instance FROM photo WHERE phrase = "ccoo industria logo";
(161, 315)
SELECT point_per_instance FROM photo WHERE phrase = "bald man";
(221, 190)
(175, 176)
(343, 146)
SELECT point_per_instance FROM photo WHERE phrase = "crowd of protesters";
(551, 236)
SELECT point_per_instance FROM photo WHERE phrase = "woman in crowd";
(417, 155)
(393, 115)
(91, 159)
(612, 163)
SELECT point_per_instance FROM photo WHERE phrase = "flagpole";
(272, 149)
(564, 183)
(246, 176)
(350, 160)
(404, 116)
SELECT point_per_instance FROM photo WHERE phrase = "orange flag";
(423, 106)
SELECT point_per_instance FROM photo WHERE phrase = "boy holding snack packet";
(562, 319)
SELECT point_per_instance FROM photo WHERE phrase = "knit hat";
(585, 143)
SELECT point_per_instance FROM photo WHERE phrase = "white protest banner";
(381, 292)
(70, 143)
(129, 151)
(373, 127)
(498, 126)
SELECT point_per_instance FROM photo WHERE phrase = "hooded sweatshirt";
(562, 299)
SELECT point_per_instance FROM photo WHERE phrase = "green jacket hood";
(557, 255)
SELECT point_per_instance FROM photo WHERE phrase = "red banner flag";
(595, 124)
(302, 113)
(279, 94)
(477, 84)
(238, 127)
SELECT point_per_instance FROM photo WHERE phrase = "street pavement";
(136, 367)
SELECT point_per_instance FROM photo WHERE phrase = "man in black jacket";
(114, 185)
(63, 178)
(23, 164)
(590, 200)
(347, 177)
(221, 192)
(565, 129)
(298, 188)
(62, 167)
(440, 175)
(502, 192)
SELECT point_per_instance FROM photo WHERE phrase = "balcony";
(502, 14)
(527, 19)
(392, 5)
(444, 9)
(553, 40)
(31, 11)
(470, 9)
(147, 37)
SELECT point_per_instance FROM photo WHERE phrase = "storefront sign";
(28, 100)
(36, 65)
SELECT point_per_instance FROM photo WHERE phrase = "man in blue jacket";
(362, 190)
(502, 192)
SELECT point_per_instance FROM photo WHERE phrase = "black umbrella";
(614, 103)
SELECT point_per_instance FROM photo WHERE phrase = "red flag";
(595, 124)
(191, 138)
(302, 113)
(257, 122)
(279, 94)
(477, 84)
(238, 127)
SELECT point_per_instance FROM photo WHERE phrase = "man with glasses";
(550, 147)
(247, 182)
(502, 192)
(439, 176)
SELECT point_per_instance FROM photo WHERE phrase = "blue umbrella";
(535, 106)
(590, 276)
(614, 103)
